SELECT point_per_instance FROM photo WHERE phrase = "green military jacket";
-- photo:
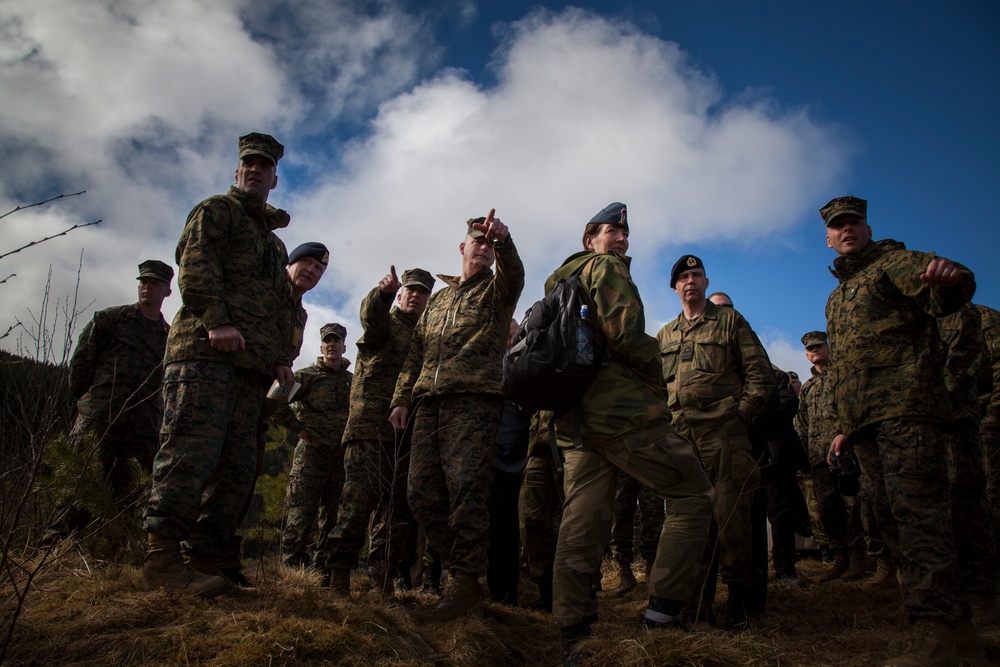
(815, 421)
(117, 368)
(887, 359)
(989, 401)
(965, 358)
(321, 405)
(628, 394)
(715, 369)
(231, 270)
(382, 349)
(459, 341)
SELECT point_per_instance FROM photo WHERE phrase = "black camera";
(846, 472)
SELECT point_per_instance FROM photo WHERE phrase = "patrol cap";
(155, 269)
(312, 249)
(814, 338)
(844, 206)
(685, 263)
(256, 143)
(615, 213)
(418, 278)
(333, 329)
(472, 231)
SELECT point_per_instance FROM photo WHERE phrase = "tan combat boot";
(841, 562)
(210, 566)
(627, 581)
(463, 596)
(885, 572)
(932, 645)
(858, 561)
(164, 568)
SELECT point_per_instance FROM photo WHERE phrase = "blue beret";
(615, 213)
(312, 249)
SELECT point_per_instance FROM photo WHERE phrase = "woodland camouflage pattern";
(989, 429)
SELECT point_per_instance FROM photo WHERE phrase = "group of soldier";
(695, 425)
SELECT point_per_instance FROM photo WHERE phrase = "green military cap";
(418, 278)
(155, 269)
(844, 206)
(814, 338)
(256, 143)
(333, 329)
(472, 231)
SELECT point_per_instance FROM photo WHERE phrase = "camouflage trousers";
(839, 516)
(971, 518)
(989, 436)
(630, 494)
(313, 497)
(205, 466)
(906, 481)
(541, 504)
(117, 445)
(666, 463)
(808, 488)
(451, 475)
(376, 473)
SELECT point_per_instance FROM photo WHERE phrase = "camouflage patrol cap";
(615, 214)
(814, 338)
(155, 269)
(418, 278)
(685, 263)
(333, 329)
(256, 143)
(472, 231)
(844, 206)
(312, 249)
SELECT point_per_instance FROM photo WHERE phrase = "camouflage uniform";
(231, 271)
(839, 517)
(376, 463)
(630, 494)
(453, 369)
(116, 373)
(718, 378)
(624, 425)
(972, 520)
(989, 429)
(319, 409)
(541, 500)
(886, 372)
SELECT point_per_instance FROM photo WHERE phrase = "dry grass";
(95, 614)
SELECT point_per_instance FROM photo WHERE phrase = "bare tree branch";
(21, 208)
(49, 238)
(7, 278)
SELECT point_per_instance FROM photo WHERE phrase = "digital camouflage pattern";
(628, 393)
(989, 429)
(629, 495)
(815, 422)
(231, 270)
(319, 409)
(460, 340)
(881, 321)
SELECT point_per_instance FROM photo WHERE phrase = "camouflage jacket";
(815, 422)
(887, 359)
(628, 394)
(117, 368)
(714, 368)
(965, 358)
(382, 349)
(459, 342)
(321, 405)
(231, 270)
(990, 400)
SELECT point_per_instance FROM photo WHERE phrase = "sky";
(724, 126)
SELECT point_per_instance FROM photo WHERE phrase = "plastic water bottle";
(584, 339)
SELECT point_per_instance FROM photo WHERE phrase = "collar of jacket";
(711, 312)
(846, 266)
(341, 367)
(485, 273)
(274, 218)
(135, 312)
(407, 318)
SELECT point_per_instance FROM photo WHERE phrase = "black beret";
(312, 249)
(685, 263)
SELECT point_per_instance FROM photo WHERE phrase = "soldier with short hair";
(887, 376)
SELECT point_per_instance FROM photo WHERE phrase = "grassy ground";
(86, 613)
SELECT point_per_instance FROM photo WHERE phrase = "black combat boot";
(572, 635)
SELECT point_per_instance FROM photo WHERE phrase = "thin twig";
(49, 238)
(21, 208)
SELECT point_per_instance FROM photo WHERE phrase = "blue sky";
(723, 125)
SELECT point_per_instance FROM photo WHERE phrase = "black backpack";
(557, 351)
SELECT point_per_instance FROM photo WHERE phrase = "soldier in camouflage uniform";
(623, 424)
(541, 500)
(718, 378)
(115, 373)
(972, 521)
(989, 401)
(839, 516)
(376, 459)
(453, 369)
(887, 378)
(230, 337)
(318, 414)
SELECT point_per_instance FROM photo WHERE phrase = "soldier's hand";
(226, 339)
(284, 376)
(390, 284)
(492, 228)
(941, 273)
(398, 417)
(838, 445)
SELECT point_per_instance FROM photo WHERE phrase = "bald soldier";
(889, 395)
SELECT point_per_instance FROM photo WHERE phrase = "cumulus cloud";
(585, 110)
